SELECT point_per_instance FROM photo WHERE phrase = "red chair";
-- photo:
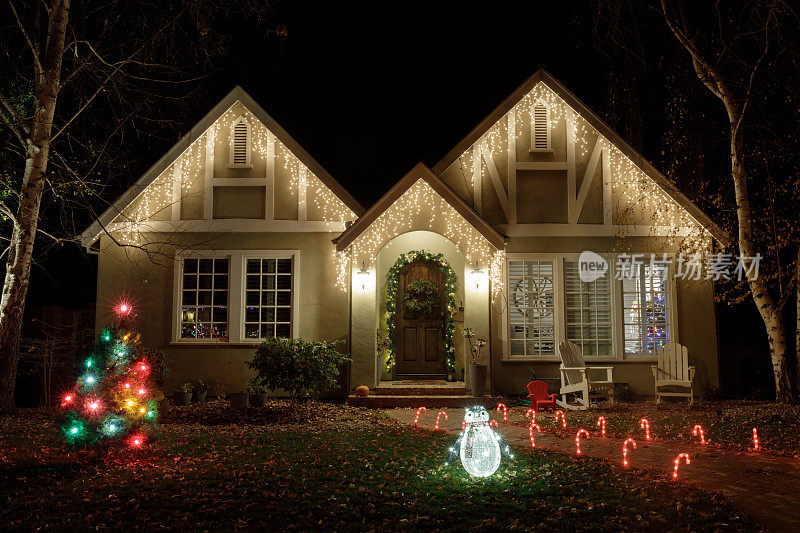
(537, 392)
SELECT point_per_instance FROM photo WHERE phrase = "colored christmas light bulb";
(88, 363)
(90, 380)
(755, 439)
(127, 385)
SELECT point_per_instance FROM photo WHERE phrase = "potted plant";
(257, 392)
(200, 391)
(477, 370)
(184, 396)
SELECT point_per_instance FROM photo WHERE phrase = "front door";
(419, 339)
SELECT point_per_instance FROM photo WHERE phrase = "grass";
(725, 424)
(341, 470)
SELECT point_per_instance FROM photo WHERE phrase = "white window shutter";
(240, 143)
(540, 128)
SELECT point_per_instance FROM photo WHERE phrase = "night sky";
(370, 89)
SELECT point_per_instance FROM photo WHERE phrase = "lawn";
(324, 467)
(725, 424)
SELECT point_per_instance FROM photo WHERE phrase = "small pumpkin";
(362, 390)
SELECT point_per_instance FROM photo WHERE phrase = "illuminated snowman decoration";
(478, 444)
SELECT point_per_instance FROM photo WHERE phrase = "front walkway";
(765, 487)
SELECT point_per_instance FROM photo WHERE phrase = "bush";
(298, 367)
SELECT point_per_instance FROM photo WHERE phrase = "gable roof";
(602, 128)
(237, 94)
(420, 172)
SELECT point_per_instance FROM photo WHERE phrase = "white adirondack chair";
(576, 379)
(673, 370)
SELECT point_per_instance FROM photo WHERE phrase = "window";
(532, 308)
(540, 128)
(240, 143)
(268, 298)
(204, 298)
(588, 307)
(645, 308)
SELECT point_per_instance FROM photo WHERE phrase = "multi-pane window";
(588, 307)
(204, 298)
(645, 303)
(268, 298)
(532, 308)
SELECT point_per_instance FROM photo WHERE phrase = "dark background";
(371, 88)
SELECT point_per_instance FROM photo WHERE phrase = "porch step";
(418, 390)
(386, 401)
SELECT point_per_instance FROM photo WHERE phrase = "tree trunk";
(797, 326)
(18, 264)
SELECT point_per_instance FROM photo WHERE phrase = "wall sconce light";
(477, 275)
(363, 275)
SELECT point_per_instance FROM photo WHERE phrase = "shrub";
(298, 367)
(257, 386)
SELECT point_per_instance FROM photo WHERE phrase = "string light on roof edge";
(189, 168)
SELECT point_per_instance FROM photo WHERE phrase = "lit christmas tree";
(114, 398)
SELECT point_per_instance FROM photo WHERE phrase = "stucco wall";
(147, 280)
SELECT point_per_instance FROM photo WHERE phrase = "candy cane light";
(645, 425)
(563, 419)
(698, 430)
(533, 426)
(420, 410)
(581, 432)
(685, 457)
(625, 450)
(601, 423)
(440, 413)
(502, 406)
(755, 439)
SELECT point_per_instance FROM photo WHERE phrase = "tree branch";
(34, 49)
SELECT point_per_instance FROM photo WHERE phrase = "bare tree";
(727, 59)
(76, 74)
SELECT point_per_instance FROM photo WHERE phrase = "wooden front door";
(419, 338)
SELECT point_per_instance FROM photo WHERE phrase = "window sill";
(227, 344)
(590, 361)
(240, 166)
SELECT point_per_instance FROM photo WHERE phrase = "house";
(238, 234)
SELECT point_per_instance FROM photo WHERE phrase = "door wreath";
(420, 297)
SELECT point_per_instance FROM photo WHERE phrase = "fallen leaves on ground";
(322, 467)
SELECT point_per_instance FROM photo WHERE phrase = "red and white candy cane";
(625, 450)
(531, 413)
(755, 439)
(416, 418)
(685, 457)
(698, 430)
(578, 439)
(645, 425)
(492, 423)
(601, 423)
(563, 419)
(502, 406)
(440, 413)
(530, 432)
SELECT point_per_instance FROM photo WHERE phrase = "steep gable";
(542, 163)
(236, 170)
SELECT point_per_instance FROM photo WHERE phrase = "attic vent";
(240, 143)
(540, 128)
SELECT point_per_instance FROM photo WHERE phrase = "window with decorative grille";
(540, 130)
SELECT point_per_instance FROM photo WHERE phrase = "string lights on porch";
(420, 208)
